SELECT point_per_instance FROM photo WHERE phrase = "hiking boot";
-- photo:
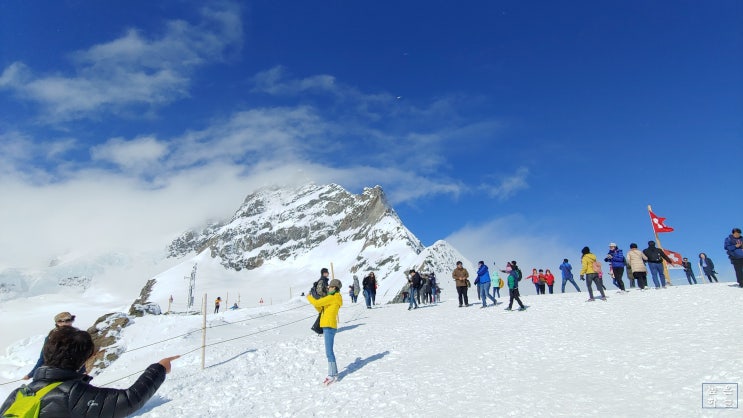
(523, 308)
(603, 298)
(329, 380)
(460, 305)
(508, 309)
(590, 300)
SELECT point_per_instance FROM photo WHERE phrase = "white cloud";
(133, 70)
(137, 155)
(508, 185)
(514, 237)
(161, 186)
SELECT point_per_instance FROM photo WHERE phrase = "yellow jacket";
(329, 305)
(587, 264)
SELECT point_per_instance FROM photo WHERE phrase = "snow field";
(638, 354)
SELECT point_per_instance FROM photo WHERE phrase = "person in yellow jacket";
(590, 274)
(329, 306)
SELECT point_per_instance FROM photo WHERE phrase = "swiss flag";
(675, 257)
(659, 224)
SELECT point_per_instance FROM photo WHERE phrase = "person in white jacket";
(636, 260)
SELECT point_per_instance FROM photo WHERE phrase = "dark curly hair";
(67, 348)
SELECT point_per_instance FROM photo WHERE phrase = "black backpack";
(654, 256)
(517, 274)
(319, 288)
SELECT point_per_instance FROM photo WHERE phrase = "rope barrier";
(208, 345)
(222, 342)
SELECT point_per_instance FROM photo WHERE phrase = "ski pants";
(462, 294)
(594, 277)
(618, 274)
(513, 294)
(642, 278)
(738, 267)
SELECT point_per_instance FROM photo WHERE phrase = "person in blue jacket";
(62, 319)
(616, 261)
(734, 248)
(567, 275)
(483, 278)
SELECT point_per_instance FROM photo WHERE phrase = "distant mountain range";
(271, 249)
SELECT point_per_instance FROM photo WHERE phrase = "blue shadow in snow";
(153, 403)
(230, 359)
(359, 363)
(348, 327)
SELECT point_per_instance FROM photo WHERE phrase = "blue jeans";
(656, 269)
(413, 294)
(571, 280)
(329, 335)
(485, 293)
(496, 291)
(367, 298)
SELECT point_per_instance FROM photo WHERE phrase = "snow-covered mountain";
(278, 240)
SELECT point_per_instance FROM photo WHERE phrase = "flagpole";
(657, 241)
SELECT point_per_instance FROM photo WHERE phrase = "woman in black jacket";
(65, 351)
(708, 267)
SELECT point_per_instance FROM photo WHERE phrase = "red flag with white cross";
(659, 224)
(675, 257)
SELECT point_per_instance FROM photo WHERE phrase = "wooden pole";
(203, 334)
(657, 241)
(332, 273)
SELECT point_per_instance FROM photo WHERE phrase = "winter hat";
(513, 263)
(651, 243)
(459, 263)
(585, 250)
(323, 271)
(612, 244)
(565, 260)
(411, 271)
(335, 283)
(633, 245)
(64, 316)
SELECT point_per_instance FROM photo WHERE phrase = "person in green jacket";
(513, 286)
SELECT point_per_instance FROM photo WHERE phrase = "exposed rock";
(106, 333)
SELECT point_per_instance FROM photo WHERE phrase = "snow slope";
(638, 354)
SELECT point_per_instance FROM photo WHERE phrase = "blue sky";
(512, 129)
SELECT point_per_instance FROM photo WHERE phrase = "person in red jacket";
(534, 276)
(64, 353)
(550, 279)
